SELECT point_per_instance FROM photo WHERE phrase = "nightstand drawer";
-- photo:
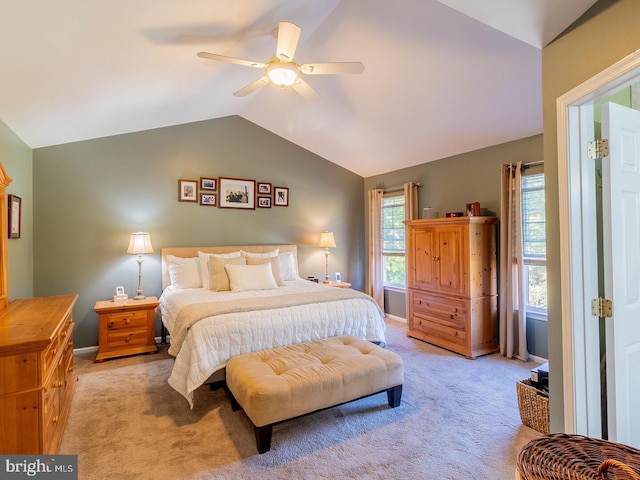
(126, 338)
(126, 320)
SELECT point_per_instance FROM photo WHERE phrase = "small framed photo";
(210, 199)
(208, 183)
(15, 216)
(264, 188)
(473, 209)
(280, 196)
(187, 190)
(264, 202)
(237, 193)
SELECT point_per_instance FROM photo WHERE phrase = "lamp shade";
(327, 240)
(139, 243)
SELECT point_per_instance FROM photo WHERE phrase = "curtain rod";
(396, 187)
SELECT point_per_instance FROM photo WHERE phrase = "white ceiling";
(437, 82)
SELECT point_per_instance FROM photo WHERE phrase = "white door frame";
(577, 241)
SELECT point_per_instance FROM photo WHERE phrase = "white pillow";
(204, 264)
(250, 277)
(271, 254)
(184, 272)
(275, 266)
(218, 278)
(288, 266)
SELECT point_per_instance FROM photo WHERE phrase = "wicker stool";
(560, 456)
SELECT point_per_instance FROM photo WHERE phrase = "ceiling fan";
(282, 71)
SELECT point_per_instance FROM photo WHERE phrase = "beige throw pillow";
(218, 278)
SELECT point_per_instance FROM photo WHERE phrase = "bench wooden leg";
(263, 438)
(394, 394)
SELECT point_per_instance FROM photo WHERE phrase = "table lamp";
(139, 244)
(326, 241)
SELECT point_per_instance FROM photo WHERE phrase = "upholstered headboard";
(186, 252)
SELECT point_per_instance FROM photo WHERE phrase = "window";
(534, 242)
(393, 241)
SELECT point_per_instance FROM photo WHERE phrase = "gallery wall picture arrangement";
(281, 196)
(208, 199)
(187, 190)
(208, 183)
(237, 193)
(15, 216)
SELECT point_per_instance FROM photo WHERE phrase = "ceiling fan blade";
(332, 68)
(305, 90)
(288, 36)
(252, 87)
(237, 61)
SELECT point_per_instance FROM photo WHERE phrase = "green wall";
(90, 195)
(16, 157)
(605, 34)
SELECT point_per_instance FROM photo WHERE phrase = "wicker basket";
(563, 456)
(534, 406)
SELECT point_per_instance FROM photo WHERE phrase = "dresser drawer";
(126, 320)
(439, 318)
(449, 311)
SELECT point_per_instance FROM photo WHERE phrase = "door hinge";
(598, 149)
(602, 307)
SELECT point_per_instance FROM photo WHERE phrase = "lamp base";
(139, 297)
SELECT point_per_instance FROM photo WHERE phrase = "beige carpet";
(458, 419)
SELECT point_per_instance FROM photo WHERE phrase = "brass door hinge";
(598, 149)
(602, 307)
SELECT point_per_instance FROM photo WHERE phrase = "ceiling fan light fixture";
(282, 74)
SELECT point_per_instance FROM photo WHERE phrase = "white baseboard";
(533, 358)
(398, 319)
(94, 349)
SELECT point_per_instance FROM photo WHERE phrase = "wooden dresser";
(451, 279)
(37, 379)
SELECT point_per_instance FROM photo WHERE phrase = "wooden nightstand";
(337, 284)
(126, 328)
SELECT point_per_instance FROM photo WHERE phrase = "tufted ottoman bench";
(285, 382)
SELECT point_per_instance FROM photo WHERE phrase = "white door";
(621, 239)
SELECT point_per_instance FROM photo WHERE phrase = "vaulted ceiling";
(441, 77)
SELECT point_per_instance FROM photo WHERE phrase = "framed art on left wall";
(15, 216)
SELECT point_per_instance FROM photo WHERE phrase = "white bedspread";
(212, 341)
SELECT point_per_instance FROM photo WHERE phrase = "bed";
(222, 301)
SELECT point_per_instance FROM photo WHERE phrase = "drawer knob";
(127, 321)
(128, 339)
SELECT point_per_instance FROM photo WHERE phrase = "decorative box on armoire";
(37, 379)
(452, 283)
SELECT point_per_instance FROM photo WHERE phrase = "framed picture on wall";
(15, 216)
(237, 193)
(264, 188)
(281, 196)
(187, 190)
(209, 199)
(208, 183)
(264, 202)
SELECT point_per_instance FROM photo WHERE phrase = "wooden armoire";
(452, 283)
